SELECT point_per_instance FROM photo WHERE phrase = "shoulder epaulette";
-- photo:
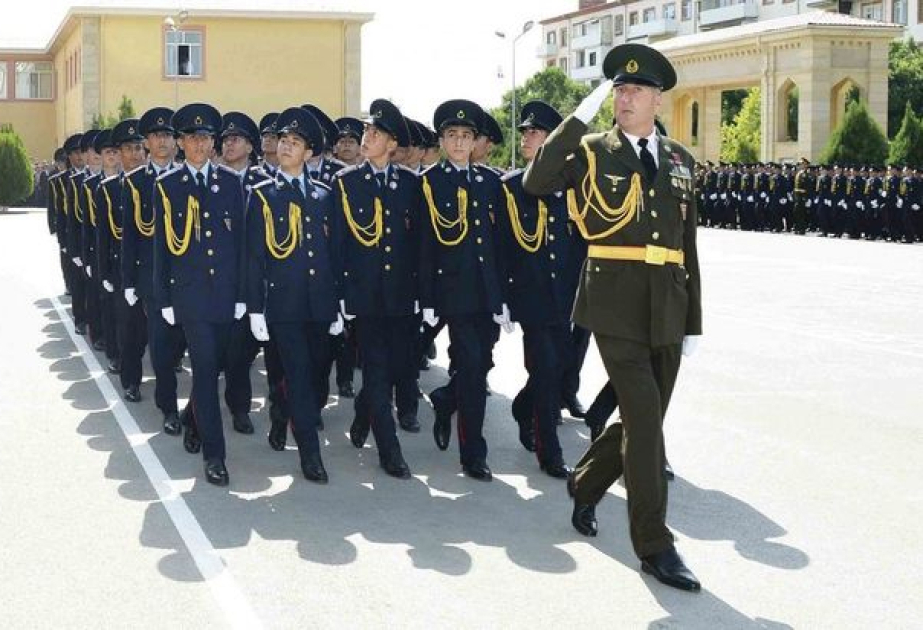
(135, 170)
(262, 184)
(57, 175)
(110, 178)
(511, 175)
(349, 169)
(165, 175)
(408, 170)
(430, 167)
(321, 185)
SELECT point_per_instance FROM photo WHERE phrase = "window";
(551, 38)
(591, 60)
(620, 24)
(581, 59)
(632, 18)
(184, 54)
(3, 80)
(563, 36)
(562, 63)
(33, 79)
(765, 2)
(872, 11)
(669, 11)
(899, 12)
(686, 11)
(650, 14)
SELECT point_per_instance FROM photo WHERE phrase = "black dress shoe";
(409, 423)
(191, 440)
(80, 329)
(216, 472)
(171, 424)
(668, 471)
(393, 463)
(478, 469)
(278, 433)
(574, 408)
(114, 367)
(313, 468)
(242, 423)
(442, 429)
(424, 364)
(556, 468)
(431, 351)
(584, 519)
(359, 432)
(669, 568)
(133, 394)
(346, 390)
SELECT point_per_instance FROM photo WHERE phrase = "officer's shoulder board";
(263, 184)
(229, 171)
(435, 165)
(57, 175)
(346, 171)
(165, 175)
(137, 169)
(333, 163)
(511, 175)
(109, 179)
(409, 171)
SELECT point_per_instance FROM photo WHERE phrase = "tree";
(125, 110)
(15, 171)
(857, 140)
(740, 139)
(907, 146)
(732, 101)
(905, 81)
(550, 85)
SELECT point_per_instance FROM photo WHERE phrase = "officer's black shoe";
(442, 429)
(431, 351)
(409, 423)
(191, 440)
(278, 433)
(178, 368)
(346, 390)
(114, 367)
(584, 519)
(574, 407)
(668, 567)
(99, 345)
(556, 468)
(216, 472)
(313, 468)
(393, 463)
(80, 329)
(242, 423)
(424, 364)
(171, 424)
(668, 471)
(478, 469)
(359, 432)
(133, 393)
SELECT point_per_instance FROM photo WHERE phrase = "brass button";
(311, 271)
(596, 269)
(655, 235)
(481, 258)
(310, 254)
(211, 271)
(651, 193)
(439, 271)
(479, 240)
(654, 213)
(477, 221)
(387, 230)
(551, 219)
(208, 233)
(172, 281)
(205, 214)
(308, 235)
(552, 255)
(387, 248)
(552, 274)
(307, 219)
(387, 267)
(551, 237)
(387, 213)
(211, 252)
(475, 203)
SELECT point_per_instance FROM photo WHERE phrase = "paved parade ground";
(795, 433)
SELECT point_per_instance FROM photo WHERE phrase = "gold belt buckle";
(654, 255)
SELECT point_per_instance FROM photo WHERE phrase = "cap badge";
(377, 114)
(530, 117)
(131, 130)
(230, 125)
(160, 120)
(294, 124)
(198, 120)
(461, 114)
(631, 66)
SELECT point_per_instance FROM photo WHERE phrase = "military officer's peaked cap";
(415, 133)
(103, 140)
(239, 124)
(268, 123)
(128, 130)
(301, 122)
(350, 128)
(73, 143)
(330, 129)
(639, 64)
(458, 113)
(491, 128)
(386, 116)
(156, 119)
(539, 115)
(60, 154)
(86, 141)
(430, 141)
(197, 118)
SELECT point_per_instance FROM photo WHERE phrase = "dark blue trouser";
(304, 350)
(242, 351)
(208, 346)
(472, 340)
(547, 352)
(166, 343)
(132, 327)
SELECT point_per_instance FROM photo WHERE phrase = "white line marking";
(210, 564)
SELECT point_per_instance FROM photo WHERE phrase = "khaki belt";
(650, 254)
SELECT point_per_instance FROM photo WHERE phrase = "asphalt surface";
(795, 432)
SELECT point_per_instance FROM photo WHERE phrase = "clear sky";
(417, 53)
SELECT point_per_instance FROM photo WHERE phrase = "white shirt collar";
(651, 144)
(290, 179)
(195, 171)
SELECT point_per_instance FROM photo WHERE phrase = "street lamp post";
(171, 23)
(525, 29)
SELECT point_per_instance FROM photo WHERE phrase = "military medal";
(682, 209)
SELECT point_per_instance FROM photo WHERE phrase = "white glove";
(503, 319)
(346, 315)
(79, 262)
(690, 343)
(587, 110)
(828, 202)
(723, 196)
(168, 316)
(416, 306)
(749, 198)
(842, 204)
(130, 296)
(882, 194)
(713, 196)
(782, 202)
(860, 204)
(337, 326)
(807, 204)
(89, 271)
(239, 309)
(429, 316)
(258, 327)
(108, 286)
(874, 203)
(900, 204)
(915, 207)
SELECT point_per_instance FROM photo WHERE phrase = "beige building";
(229, 58)
(816, 51)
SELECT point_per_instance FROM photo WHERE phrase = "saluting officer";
(639, 291)
(292, 290)
(198, 255)
(377, 222)
(458, 275)
(542, 258)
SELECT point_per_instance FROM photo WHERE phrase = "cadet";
(542, 258)
(74, 230)
(347, 148)
(269, 140)
(639, 291)
(458, 275)
(57, 208)
(803, 186)
(377, 221)
(292, 290)
(138, 228)
(91, 179)
(103, 234)
(198, 255)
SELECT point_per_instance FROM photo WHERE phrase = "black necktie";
(200, 179)
(314, 174)
(296, 184)
(647, 159)
(381, 180)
